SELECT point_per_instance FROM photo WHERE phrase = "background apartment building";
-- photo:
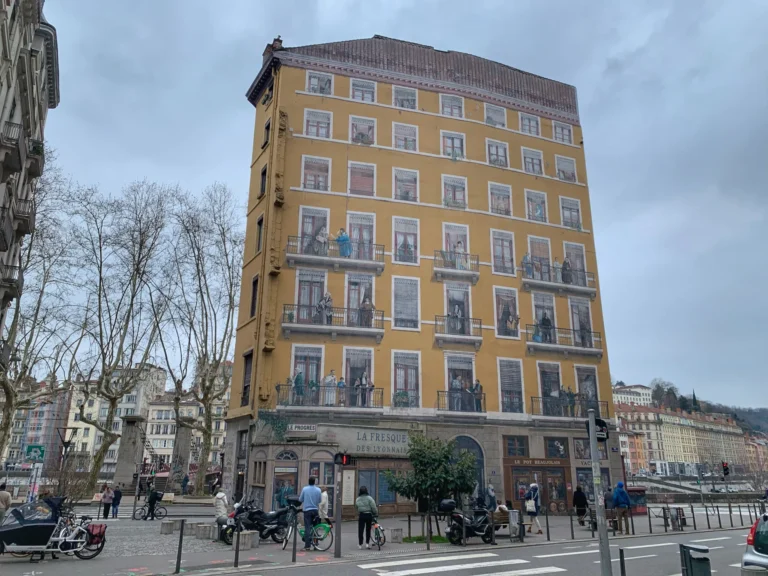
(633, 394)
(419, 223)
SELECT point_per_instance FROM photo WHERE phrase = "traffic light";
(726, 470)
(342, 459)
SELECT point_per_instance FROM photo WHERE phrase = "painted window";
(406, 137)
(451, 105)
(361, 228)
(406, 240)
(406, 185)
(453, 144)
(566, 168)
(505, 301)
(311, 290)
(497, 153)
(362, 130)
(511, 380)
(308, 360)
(406, 305)
(532, 161)
(364, 90)
(501, 199)
(536, 203)
(529, 124)
(581, 322)
(503, 252)
(542, 269)
(406, 369)
(316, 172)
(247, 370)
(571, 210)
(454, 192)
(563, 132)
(495, 116)
(314, 231)
(317, 123)
(517, 446)
(358, 365)
(319, 83)
(556, 447)
(404, 97)
(362, 179)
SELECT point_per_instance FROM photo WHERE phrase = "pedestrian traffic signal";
(342, 459)
(726, 470)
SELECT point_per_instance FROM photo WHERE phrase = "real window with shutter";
(317, 123)
(316, 173)
(267, 130)
(406, 137)
(529, 124)
(259, 233)
(454, 192)
(406, 185)
(537, 205)
(566, 168)
(406, 249)
(571, 211)
(497, 153)
(406, 303)
(563, 132)
(453, 144)
(533, 161)
(263, 182)
(511, 381)
(505, 302)
(247, 370)
(319, 82)
(404, 97)
(364, 90)
(451, 105)
(362, 179)
(503, 247)
(495, 116)
(500, 199)
(362, 130)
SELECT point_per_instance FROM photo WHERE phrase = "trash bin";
(700, 567)
(694, 566)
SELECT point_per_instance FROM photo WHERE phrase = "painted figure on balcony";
(457, 318)
(298, 387)
(460, 255)
(546, 328)
(567, 274)
(527, 265)
(345, 245)
(558, 272)
(324, 310)
(456, 393)
(320, 244)
(366, 313)
(329, 388)
(356, 393)
(342, 391)
(477, 390)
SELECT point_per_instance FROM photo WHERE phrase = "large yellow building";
(418, 223)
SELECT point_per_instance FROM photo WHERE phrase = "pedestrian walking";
(533, 507)
(490, 496)
(581, 503)
(107, 495)
(5, 501)
(322, 509)
(116, 498)
(366, 512)
(220, 505)
(310, 497)
(621, 503)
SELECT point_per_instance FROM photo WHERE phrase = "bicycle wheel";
(139, 513)
(378, 536)
(288, 536)
(160, 512)
(322, 537)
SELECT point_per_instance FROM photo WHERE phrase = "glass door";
(582, 327)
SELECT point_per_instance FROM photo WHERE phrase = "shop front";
(552, 475)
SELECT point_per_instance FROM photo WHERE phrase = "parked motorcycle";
(268, 524)
(463, 525)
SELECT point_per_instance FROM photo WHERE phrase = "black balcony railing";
(540, 217)
(458, 326)
(461, 401)
(11, 132)
(449, 202)
(405, 193)
(562, 336)
(310, 246)
(457, 261)
(565, 406)
(24, 208)
(406, 399)
(312, 395)
(6, 229)
(347, 317)
(545, 272)
(512, 401)
(10, 274)
(36, 148)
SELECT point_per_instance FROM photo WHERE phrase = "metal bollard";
(664, 514)
(570, 515)
(730, 513)
(719, 520)
(693, 515)
(592, 524)
(181, 544)
(632, 520)
(749, 509)
(706, 511)
(493, 529)
(741, 518)
(613, 524)
(409, 526)
(237, 547)
(423, 529)
(295, 536)
(621, 562)
(463, 526)
(521, 531)
(546, 519)
(650, 527)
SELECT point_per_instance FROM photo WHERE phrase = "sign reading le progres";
(358, 441)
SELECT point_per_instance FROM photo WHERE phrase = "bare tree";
(118, 241)
(195, 306)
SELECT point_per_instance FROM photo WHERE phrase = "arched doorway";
(470, 445)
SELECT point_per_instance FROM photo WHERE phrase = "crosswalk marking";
(712, 539)
(735, 565)
(529, 571)
(452, 567)
(567, 554)
(651, 546)
(448, 558)
(630, 558)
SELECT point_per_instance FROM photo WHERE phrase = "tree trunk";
(6, 422)
(205, 450)
(107, 441)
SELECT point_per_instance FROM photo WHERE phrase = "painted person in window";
(298, 387)
(345, 246)
(566, 272)
(477, 390)
(527, 265)
(456, 393)
(342, 392)
(459, 255)
(366, 313)
(320, 244)
(329, 388)
(546, 328)
(558, 272)
(324, 309)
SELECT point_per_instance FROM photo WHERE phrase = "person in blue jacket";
(621, 504)
(345, 246)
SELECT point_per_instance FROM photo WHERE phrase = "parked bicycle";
(378, 533)
(141, 513)
(322, 533)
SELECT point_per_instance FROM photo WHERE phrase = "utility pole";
(337, 510)
(602, 526)
(701, 484)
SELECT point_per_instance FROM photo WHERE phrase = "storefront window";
(585, 479)
(285, 483)
(367, 478)
(469, 444)
(556, 490)
(385, 495)
(557, 447)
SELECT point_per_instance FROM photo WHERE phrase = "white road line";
(630, 558)
(567, 554)
(453, 567)
(572, 547)
(712, 539)
(529, 571)
(735, 565)
(651, 546)
(716, 548)
(447, 558)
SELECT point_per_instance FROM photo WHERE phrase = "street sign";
(35, 453)
(601, 429)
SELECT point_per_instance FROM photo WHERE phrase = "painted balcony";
(333, 322)
(543, 276)
(456, 266)
(453, 330)
(563, 341)
(351, 256)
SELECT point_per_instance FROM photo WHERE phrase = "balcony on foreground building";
(458, 330)
(461, 401)
(24, 216)
(11, 282)
(543, 276)
(563, 341)
(567, 407)
(456, 266)
(13, 146)
(36, 156)
(6, 230)
(315, 396)
(333, 321)
(331, 254)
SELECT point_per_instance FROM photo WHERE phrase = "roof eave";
(255, 88)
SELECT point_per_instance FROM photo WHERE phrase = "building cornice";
(48, 33)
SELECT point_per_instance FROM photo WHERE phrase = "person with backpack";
(366, 512)
(581, 503)
(533, 506)
(621, 503)
(116, 498)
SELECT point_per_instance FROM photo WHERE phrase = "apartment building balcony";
(563, 341)
(457, 330)
(456, 266)
(406, 399)
(565, 407)
(333, 321)
(331, 254)
(543, 276)
(36, 155)
(13, 147)
(11, 282)
(5, 354)
(313, 396)
(6, 230)
(24, 216)
(463, 400)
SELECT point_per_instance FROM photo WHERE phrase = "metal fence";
(313, 395)
(346, 317)
(461, 401)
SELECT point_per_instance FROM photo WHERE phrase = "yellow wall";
(291, 80)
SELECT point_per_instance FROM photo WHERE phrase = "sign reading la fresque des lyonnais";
(366, 441)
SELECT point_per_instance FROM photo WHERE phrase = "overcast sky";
(674, 105)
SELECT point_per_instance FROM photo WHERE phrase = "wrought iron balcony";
(458, 265)
(449, 202)
(6, 230)
(461, 401)
(24, 216)
(458, 330)
(314, 396)
(543, 275)
(567, 407)
(11, 282)
(563, 340)
(14, 148)
(406, 399)
(359, 255)
(333, 321)
(36, 155)
(512, 401)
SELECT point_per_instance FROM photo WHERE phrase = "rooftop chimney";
(277, 44)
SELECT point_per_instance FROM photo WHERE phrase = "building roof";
(696, 416)
(403, 62)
